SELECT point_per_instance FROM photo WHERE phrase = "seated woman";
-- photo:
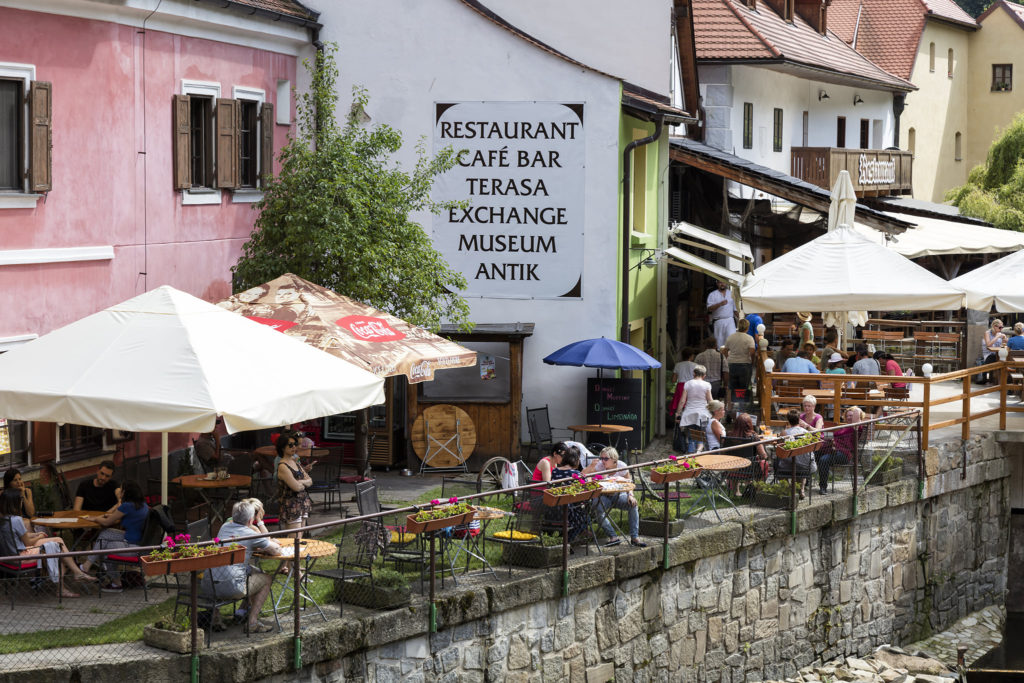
(743, 428)
(809, 419)
(891, 367)
(844, 442)
(607, 461)
(714, 432)
(131, 516)
(547, 464)
(798, 465)
(568, 465)
(12, 480)
(1016, 342)
(15, 539)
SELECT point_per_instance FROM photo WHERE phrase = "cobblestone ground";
(980, 632)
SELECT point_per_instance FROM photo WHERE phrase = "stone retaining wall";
(741, 600)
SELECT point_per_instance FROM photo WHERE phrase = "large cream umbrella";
(841, 211)
(165, 361)
(1000, 283)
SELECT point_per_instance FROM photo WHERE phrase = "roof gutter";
(270, 14)
(627, 167)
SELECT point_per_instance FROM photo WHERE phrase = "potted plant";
(440, 516)
(805, 443)
(676, 469)
(179, 554)
(652, 519)
(775, 495)
(383, 589)
(576, 492)
(172, 635)
(890, 470)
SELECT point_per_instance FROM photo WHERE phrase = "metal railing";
(46, 628)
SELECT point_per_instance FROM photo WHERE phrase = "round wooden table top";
(442, 419)
(602, 429)
(722, 462)
(612, 487)
(79, 522)
(308, 547)
(199, 481)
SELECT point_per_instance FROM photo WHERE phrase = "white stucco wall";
(726, 87)
(631, 40)
(386, 47)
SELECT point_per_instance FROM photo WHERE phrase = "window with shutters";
(200, 153)
(248, 132)
(25, 136)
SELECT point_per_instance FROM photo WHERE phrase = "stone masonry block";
(901, 492)
(718, 95)
(706, 542)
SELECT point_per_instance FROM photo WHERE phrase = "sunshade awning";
(684, 259)
(722, 243)
(937, 237)
(1000, 282)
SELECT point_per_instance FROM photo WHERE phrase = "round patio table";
(63, 520)
(310, 550)
(202, 484)
(607, 430)
(713, 485)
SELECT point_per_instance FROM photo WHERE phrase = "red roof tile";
(947, 9)
(889, 33)
(729, 31)
(842, 18)
(291, 8)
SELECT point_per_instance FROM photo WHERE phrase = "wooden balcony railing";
(769, 384)
(874, 172)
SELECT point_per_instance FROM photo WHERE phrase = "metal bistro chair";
(541, 432)
(16, 570)
(403, 548)
(207, 602)
(469, 534)
(151, 535)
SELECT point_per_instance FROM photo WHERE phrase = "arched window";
(958, 147)
(949, 63)
(931, 56)
(912, 141)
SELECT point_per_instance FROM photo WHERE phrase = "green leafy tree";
(995, 190)
(338, 213)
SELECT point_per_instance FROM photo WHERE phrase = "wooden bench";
(937, 348)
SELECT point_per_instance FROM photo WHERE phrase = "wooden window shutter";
(266, 143)
(182, 115)
(40, 162)
(227, 143)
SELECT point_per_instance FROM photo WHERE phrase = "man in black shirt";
(101, 493)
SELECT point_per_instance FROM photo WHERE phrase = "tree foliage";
(995, 190)
(338, 213)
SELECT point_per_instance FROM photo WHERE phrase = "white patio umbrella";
(165, 361)
(1000, 282)
(843, 271)
(841, 211)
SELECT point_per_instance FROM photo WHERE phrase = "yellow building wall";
(1000, 41)
(936, 112)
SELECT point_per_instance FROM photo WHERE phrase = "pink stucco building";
(133, 139)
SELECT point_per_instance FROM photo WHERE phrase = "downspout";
(319, 47)
(626, 228)
(899, 102)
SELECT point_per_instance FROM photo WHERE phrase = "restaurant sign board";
(521, 176)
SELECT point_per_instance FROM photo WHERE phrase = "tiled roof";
(1016, 11)
(889, 33)
(291, 8)
(947, 9)
(842, 18)
(727, 30)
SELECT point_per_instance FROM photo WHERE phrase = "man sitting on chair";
(229, 582)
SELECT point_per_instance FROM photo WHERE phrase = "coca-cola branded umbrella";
(361, 334)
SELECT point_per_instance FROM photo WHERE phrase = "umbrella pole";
(163, 468)
(600, 395)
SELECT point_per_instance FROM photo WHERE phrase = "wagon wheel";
(490, 474)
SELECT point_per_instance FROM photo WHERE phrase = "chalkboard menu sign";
(617, 401)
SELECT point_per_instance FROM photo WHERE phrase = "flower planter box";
(885, 476)
(371, 596)
(783, 452)
(655, 528)
(532, 555)
(770, 500)
(174, 641)
(668, 477)
(176, 565)
(555, 499)
(417, 527)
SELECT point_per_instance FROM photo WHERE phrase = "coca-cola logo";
(370, 329)
(420, 371)
(279, 325)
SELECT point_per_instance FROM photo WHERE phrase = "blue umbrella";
(602, 353)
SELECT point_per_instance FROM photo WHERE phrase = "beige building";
(993, 99)
(927, 42)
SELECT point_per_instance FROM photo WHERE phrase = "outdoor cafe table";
(713, 486)
(70, 519)
(202, 484)
(310, 550)
(607, 430)
(475, 546)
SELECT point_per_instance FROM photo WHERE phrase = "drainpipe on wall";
(626, 228)
(899, 102)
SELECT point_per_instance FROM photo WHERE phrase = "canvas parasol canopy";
(165, 361)
(1000, 282)
(361, 334)
(843, 271)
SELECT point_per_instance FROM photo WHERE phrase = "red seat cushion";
(123, 558)
(20, 566)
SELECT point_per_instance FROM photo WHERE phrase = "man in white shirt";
(723, 313)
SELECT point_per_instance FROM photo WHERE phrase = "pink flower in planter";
(169, 541)
(435, 502)
(216, 540)
(598, 477)
(673, 458)
(453, 500)
(686, 465)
